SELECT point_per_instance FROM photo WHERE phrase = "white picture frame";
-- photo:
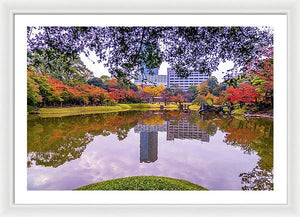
(9, 9)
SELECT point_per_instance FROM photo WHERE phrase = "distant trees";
(153, 91)
(33, 96)
(212, 82)
(203, 88)
(47, 91)
(96, 82)
(114, 84)
(177, 99)
(56, 64)
(190, 94)
(218, 89)
(254, 87)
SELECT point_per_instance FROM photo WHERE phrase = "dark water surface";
(216, 152)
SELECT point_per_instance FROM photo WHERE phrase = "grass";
(194, 107)
(60, 112)
(146, 183)
(31, 108)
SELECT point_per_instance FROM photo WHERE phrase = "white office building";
(194, 78)
(151, 80)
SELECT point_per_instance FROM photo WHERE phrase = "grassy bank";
(60, 112)
(194, 107)
(150, 183)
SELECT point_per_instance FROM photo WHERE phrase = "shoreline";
(84, 110)
(259, 115)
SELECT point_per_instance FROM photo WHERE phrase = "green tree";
(218, 89)
(45, 88)
(67, 68)
(203, 88)
(96, 82)
(212, 82)
(33, 92)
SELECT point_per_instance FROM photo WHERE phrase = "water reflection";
(174, 144)
(55, 141)
(148, 147)
(182, 129)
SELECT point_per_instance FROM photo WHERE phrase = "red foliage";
(245, 93)
(176, 99)
(114, 84)
(83, 94)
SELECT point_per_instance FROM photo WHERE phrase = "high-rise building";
(150, 76)
(146, 71)
(194, 78)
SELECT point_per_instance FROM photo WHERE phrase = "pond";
(216, 152)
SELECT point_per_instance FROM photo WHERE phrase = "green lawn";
(147, 183)
(60, 112)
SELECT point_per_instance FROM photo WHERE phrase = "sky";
(98, 68)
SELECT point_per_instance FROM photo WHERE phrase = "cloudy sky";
(98, 68)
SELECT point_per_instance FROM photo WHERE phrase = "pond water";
(216, 152)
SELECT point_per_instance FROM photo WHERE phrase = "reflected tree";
(54, 141)
(64, 150)
(257, 179)
(254, 135)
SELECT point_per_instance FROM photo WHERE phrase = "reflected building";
(182, 129)
(148, 147)
(150, 128)
(149, 141)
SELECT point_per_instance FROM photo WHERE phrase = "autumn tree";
(114, 84)
(154, 91)
(45, 89)
(33, 92)
(203, 88)
(53, 92)
(178, 99)
(210, 98)
(245, 93)
(263, 80)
